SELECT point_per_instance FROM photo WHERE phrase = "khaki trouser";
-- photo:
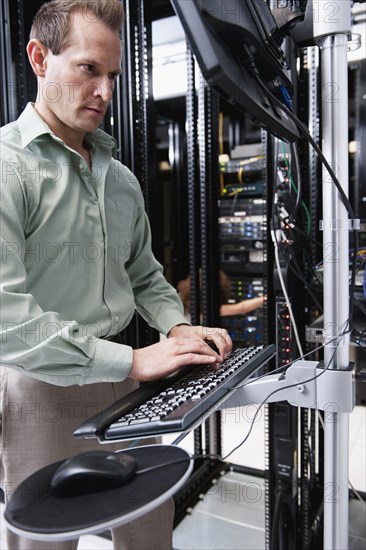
(38, 421)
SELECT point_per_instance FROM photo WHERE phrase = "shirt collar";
(100, 138)
(31, 125)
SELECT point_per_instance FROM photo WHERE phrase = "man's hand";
(219, 336)
(185, 346)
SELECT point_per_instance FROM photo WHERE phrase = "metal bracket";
(337, 225)
(329, 389)
(305, 384)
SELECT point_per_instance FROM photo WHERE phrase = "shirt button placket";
(92, 198)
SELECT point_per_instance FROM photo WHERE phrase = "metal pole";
(336, 283)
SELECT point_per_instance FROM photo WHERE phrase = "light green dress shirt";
(76, 258)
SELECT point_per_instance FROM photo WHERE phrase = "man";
(76, 262)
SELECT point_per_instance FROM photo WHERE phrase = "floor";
(231, 515)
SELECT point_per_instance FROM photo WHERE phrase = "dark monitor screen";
(226, 37)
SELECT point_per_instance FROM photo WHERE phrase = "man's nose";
(106, 90)
(102, 89)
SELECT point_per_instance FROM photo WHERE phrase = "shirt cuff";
(170, 319)
(112, 362)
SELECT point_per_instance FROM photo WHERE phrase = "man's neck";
(72, 138)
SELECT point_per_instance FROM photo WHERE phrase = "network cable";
(306, 134)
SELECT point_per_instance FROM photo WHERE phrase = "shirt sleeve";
(37, 342)
(156, 300)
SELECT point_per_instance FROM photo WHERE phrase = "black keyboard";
(175, 403)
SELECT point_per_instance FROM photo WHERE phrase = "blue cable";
(286, 98)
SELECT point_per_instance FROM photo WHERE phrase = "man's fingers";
(195, 359)
(219, 336)
(222, 341)
(197, 347)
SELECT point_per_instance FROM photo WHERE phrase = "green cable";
(295, 189)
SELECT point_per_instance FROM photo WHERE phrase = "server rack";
(294, 441)
(132, 123)
(243, 248)
(17, 85)
(202, 189)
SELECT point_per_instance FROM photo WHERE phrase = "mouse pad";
(34, 512)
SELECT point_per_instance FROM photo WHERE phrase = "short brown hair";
(51, 25)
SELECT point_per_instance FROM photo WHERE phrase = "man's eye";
(113, 76)
(89, 68)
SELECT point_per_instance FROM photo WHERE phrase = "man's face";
(79, 82)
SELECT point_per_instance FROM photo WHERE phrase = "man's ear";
(37, 54)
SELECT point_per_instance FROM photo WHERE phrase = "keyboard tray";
(175, 403)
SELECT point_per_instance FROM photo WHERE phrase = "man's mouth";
(95, 110)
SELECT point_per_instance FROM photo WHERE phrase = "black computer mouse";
(93, 471)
